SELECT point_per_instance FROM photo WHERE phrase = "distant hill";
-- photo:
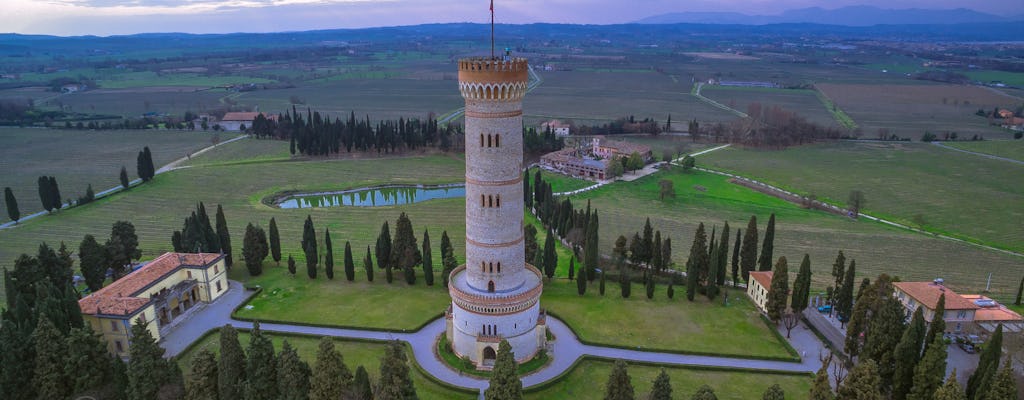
(847, 16)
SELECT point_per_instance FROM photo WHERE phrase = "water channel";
(373, 197)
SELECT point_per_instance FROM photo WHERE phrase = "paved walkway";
(566, 349)
(990, 156)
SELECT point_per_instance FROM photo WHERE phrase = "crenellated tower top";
(495, 79)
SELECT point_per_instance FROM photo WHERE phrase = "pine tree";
(619, 386)
(86, 364)
(1003, 385)
(765, 260)
(802, 286)
(15, 214)
(938, 325)
(122, 247)
(748, 252)
(16, 352)
(331, 377)
(774, 392)
(292, 374)
(820, 389)
(147, 369)
(907, 354)
(361, 387)
(125, 183)
(862, 383)
(309, 247)
(328, 254)
(696, 263)
(368, 265)
(951, 390)
(224, 236)
(505, 383)
(704, 392)
(202, 383)
(428, 260)
(988, 365)
(260, 367)
(384, 251)
(779, 291)
(350, 266)
(736, 258)
(231, 366)
(395, 382)
(661, 389)
(275, 242)
(550, 255)
(929, 371)
(50, 352)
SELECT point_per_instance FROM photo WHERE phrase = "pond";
(373, 197)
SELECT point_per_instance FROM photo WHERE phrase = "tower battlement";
(494, 79)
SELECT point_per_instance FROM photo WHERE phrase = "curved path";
(564, 351)
(986, 155)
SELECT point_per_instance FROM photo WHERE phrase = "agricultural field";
(711, 199)
(250, 150)
(135, 102)
(586, 381)
(85, 157)
(355, 353)
(559, 182)
(908, 110)
(949, 192)
(1002, 148)
(802, 102)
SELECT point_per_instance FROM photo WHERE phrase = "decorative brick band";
(496, 304)
(508, 114)
(471, 181)
(496, 245)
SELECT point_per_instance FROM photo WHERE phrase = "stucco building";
(157, 294)
(496, 294)
(964, 313)
(757, 289)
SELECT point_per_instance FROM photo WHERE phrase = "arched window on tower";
(488, 140)
(481, 140)
(497, 201)
(490, 286)
(492, 267)
(490, 201)
(499, 267)
(497, 140)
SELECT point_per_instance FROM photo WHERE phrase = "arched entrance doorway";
(490, 286)
(489, 354)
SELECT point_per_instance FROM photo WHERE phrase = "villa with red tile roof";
(757, 289)
(964, 313)
(156, 294)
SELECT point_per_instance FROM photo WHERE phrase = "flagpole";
(492, 29)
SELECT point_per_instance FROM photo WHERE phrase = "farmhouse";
(234, 121)
(559, 128)
(968, 313)
(157, 294)
(757, 289)
(615, 148)
(571, 162)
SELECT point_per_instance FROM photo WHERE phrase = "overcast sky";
(114, 17)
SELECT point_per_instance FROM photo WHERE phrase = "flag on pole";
(492, 5)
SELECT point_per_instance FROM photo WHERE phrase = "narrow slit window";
(481, 140)
(497, 201)
(497, 140)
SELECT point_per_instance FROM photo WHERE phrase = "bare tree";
(839, 369)
(790, 320)
(856, 202)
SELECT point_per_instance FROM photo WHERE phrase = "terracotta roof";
(763, 278)
(625, 147)
(996, 313)
(123, 296)
(927, 293)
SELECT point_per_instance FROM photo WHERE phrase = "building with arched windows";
(496, 294)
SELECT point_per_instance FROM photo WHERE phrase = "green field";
(802, 102)
(588, 379)
(84, 157)
(559, 182)
(1002, 148)
(245, 151)
(956, 193)
(711, 199)
(134, 102)
(356, 353)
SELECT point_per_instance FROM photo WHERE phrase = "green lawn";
(356, 353)
(244, 151)
(588, 379)
(559, 182)
(1002, 148)
(955, 193)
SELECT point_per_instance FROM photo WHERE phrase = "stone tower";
(496, 294)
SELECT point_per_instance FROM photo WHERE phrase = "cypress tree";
(650, 287)
(723, 256)
(572, 268)
(647, 249)
(697, 262)
(15, 214)
(736, 258)
(820, 389)
(261, 367)
(331, 377)
(448, 261)
(119, 378)
(661, 389)
(527, 199)
(202, 383)
(292, 374)
(505, 383)
(711, 274)
(405, 254)
(844, 299)
(231, 366)
(619, 386)
(748, 252)
(350, 265)
(148, 159)
(951, 390)
(600, 287)
(539, 260)
(86, 365)
(1003, 385)
(581, 280)
(428, 260)
(774, 392)
(590, 254)
(384, 251)
(839, 270)
(368, 265)
(254, 249)
(656, 252)
(929, 371)
(328, 254)
(765, 262)
(856, 326)
(93, 262)
(550, 256)
(883, 336)
(704, 392)
(224, 236)
(275, 241)
(50, 351)
(988, 365)
(147, 369)
(395, 383)
(938, 325)
(309, 247)
(361, 387)
(16, 353)
(55, 193)
(625, 284)
(291, 265)
(45, 195)
(212, 242)
(907, 355)
(530, 243)
(802, 286)
(862, 383)
(778, 291)
(125, 183)
(1020, 289)
(666, 252)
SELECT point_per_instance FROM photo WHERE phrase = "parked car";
(967, 347)
(825, 309)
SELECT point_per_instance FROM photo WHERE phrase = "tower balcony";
(496, 303)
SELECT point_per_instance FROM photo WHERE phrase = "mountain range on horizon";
(845, 16)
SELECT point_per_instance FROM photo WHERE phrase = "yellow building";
(757, 288)
(157, 294)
